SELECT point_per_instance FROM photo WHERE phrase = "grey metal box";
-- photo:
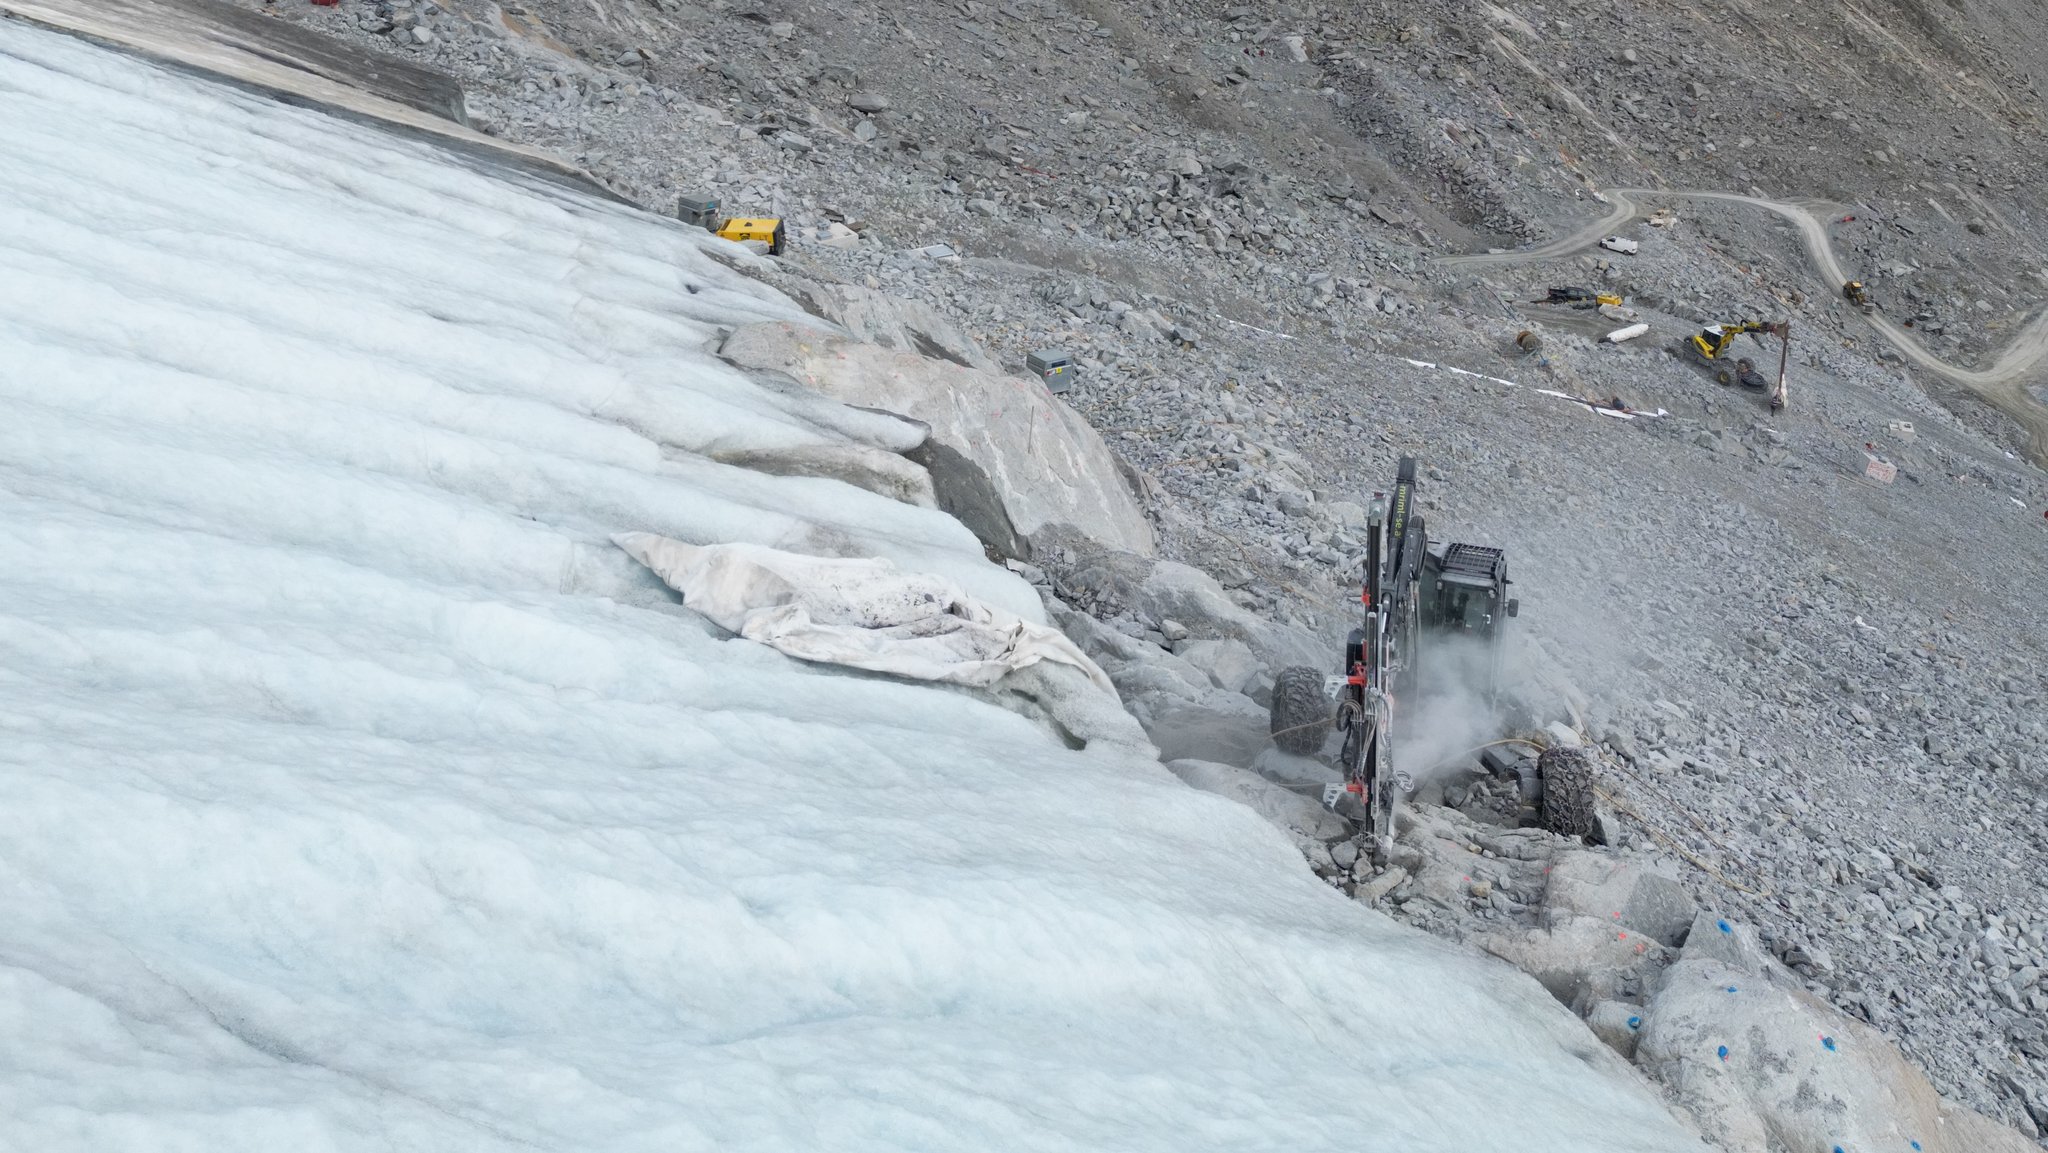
(702, 212)
(1056, 369)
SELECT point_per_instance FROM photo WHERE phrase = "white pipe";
(1629, 333)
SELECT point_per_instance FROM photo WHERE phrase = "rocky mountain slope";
(1823, 694)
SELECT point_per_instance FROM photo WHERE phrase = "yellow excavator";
(1712, 343)
(1854, 292)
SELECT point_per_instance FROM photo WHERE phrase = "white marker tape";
(1253, 327)
(1615, 413)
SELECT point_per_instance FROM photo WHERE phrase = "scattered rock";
(1618, 1024)
(1376, 890)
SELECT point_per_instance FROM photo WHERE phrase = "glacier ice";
(355, 793)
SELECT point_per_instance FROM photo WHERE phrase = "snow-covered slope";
(355, 794)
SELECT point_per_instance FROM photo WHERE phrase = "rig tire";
(1301, 713)
(1567, 775)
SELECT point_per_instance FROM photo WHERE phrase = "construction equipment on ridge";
(1411, 592)
(703, 212)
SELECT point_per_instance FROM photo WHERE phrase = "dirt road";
(2001, 385)
(1623, 209)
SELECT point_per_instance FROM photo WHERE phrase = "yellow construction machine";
(703, 212)
(1712, 343)
(766, 229)
(1577, 297)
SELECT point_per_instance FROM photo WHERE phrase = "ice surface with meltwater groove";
(356, 793)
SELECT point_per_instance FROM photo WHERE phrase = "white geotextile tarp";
(864, 613)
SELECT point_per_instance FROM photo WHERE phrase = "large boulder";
(1064, 699)
(1624, 892)
(1764, 1066)
(1499, 887)
(895, 323)
(1005, 457)
(878, 470)
(1179, 705)
(1482, 878)
(1582, 960)
(1218, 730)
(1761, 1065)
(1713, 937)
(1109, 580)
(1304, 775)
(1618, 1024)
(1297, 815)
(1229, 662)
(1174, 591)
(1161, 684)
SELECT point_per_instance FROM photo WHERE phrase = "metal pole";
(1784, 354)
(1377, 526)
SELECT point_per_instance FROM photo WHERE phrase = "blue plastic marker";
(1635, 1022)
(1723, 926)
(1828, 1043)
(1722, 1052)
